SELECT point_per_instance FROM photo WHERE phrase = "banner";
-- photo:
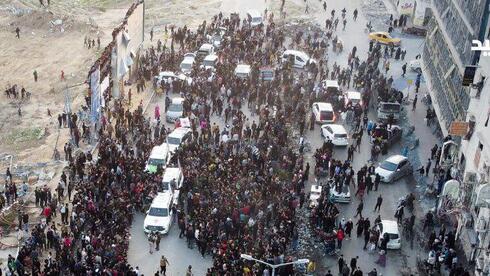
(95, 95)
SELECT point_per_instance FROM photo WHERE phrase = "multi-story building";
(475, 162)
(452, 27)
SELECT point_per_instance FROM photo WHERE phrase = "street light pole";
(274, 266)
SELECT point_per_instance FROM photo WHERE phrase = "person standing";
(151, 242)
(189, 271)
(427, 167)
(35, 75)
(17, 32)
(353, 263)
(379, 201)
(158, 238)
(340, 237)
(341, 262)
(355, 15)
(404, 68)
(359, 209)
(163, 265)
(414, 103)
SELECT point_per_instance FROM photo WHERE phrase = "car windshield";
(173, 141)
(326, 115)
(342, 135)
(393, 236)
(390, 107)
(186, 66)
(388, 166)
(158, 212)
(208, 63)
(175, 108)
(166, 185)
(156, 162)
(257, 19)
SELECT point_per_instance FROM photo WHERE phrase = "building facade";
(452, 27)
(475, 163)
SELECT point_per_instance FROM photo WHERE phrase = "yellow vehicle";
(384, 38)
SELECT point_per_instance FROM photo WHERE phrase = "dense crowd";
(243, 182)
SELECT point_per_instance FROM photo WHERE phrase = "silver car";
(393, 168)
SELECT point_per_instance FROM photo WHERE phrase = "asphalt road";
(180, 256)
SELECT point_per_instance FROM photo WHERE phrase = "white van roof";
(179, 132)
(159, 152)
(178, 100)
(331, 83)
(389, 226)
(324, 106)
(162, 200)
(302, 55)
(242, 69)
(206, 47)
(171, 173)
(211, 57)
(354, 95)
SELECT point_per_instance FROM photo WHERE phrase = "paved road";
(176, 250)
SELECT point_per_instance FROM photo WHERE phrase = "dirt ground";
(48, 47)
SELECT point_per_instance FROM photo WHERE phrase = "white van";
(254, 17)
(175, 110)
(323, 112)
(186, 64)
(297, 58)
(178, 137)
(331, 87)
(209, 61)
(205, 49)
(243, 71)
(172, 181)
(159, 216)
(159, 156)
(390, 228)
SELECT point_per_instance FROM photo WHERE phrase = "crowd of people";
(243, 182)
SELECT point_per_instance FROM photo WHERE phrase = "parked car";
(169, 77)
(205, 49)
(393, 168)
(389, 228)
(323, 112)
(388, 136)
(352, 98)
(175, 110)
(178, 137)
(384, 38)
(243, 71)
(209, 62)
(336, 133)
(159, 156)
(172, 181)
(315, 193)
(341, 195)
(331, 87)
(387, 109)
(186, 64)
(159, 216)
(254, 17)
(297, 59)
